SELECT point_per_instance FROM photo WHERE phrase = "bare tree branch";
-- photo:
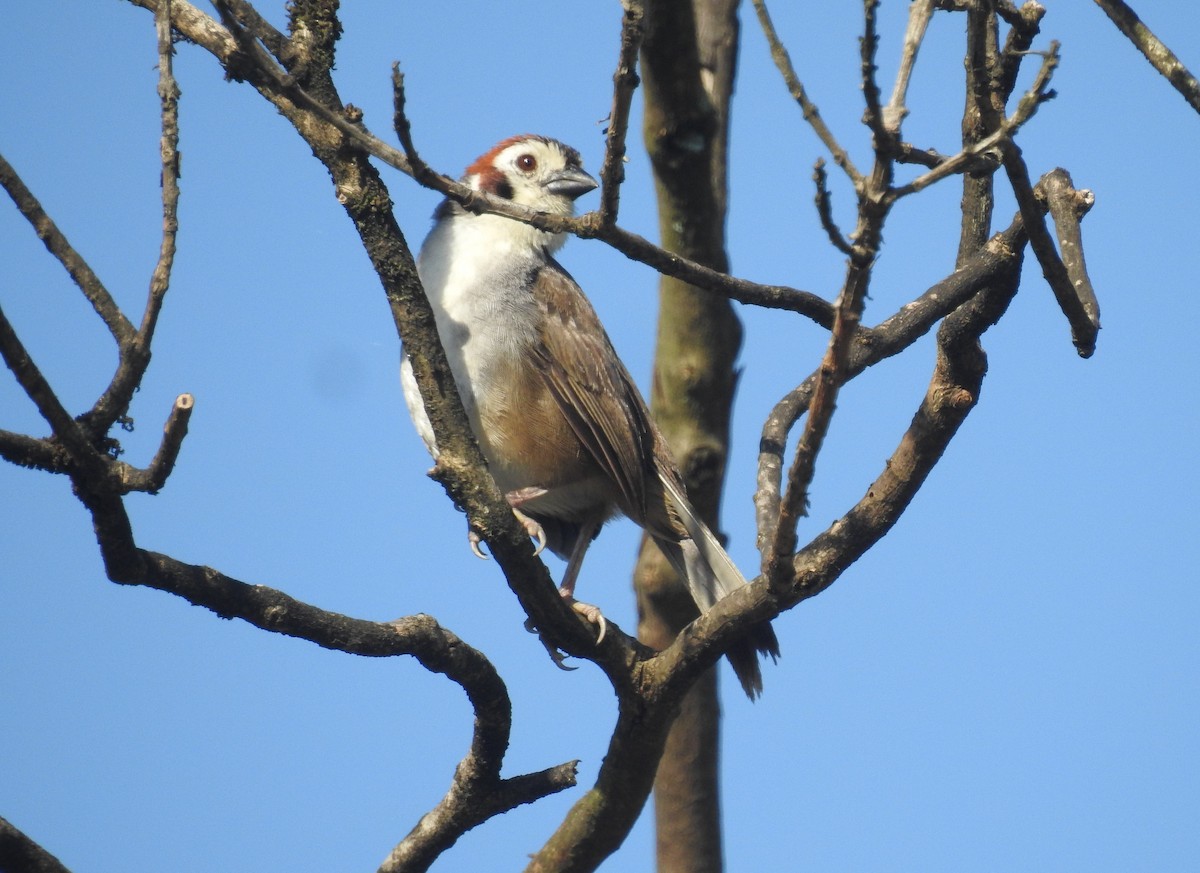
(919, 14)
(294, 73)
(811, 114)
(134, 351)
(1024, 26)
(262, 30)
(825, 210)
(470, 802)
(625, 82)
(1072, 289)
(29, 377)
(168, 95)
(1159, 56)
(1039, 92)
(477, 792)
(20, 854)
(1067, 207)
(983, 114)
(89, 283)
(881, 137)
(873, 206)
(871, 346)
(27, 451)
(952, 393)
(154, 477)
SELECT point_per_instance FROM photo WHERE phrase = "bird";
(561, 423)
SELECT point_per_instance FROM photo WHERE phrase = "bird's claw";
(588, 611)
(534, 529)
(518, 498)
(559, 659)
(476, 542)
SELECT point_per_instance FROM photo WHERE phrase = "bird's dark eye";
(527, 163)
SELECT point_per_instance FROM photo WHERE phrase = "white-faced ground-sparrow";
(564, 430)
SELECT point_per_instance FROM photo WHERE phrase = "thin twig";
(31, 380)
(1155, 51)
(825, 210)
(168, 95)
(873, 207)
(56, 243)
(1037, 94)
(919, 14)
(154, 477)
(625, 82)
(831, 375)
(134, 352)
(812, 115)
(872, 345)
(592, 226)
(873, 116)
(705, 278)
(907, 153)
(421, 171)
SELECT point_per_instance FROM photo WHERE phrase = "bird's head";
(532, 171)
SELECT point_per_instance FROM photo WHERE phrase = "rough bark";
(688, 61)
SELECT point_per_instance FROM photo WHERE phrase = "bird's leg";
(571, 575)
(592, 614)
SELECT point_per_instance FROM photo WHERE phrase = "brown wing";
(593, 389)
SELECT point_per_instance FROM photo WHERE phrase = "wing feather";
(593, 389)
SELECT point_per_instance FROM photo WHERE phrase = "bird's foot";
(588, 611)
(559, 658)
(533, 528)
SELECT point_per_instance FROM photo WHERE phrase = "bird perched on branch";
(564, 430)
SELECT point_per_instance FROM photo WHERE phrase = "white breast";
(475, 271)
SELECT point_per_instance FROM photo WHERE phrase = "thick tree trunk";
(688, 61)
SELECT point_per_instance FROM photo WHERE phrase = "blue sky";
(1008, 681)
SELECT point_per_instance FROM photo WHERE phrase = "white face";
(529, 166)
(534, 172)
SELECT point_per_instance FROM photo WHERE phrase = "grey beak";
(570, 182)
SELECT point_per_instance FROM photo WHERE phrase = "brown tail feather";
(710, 575)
